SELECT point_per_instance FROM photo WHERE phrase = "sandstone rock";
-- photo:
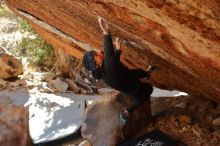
(85, 143)
(19, 82)
(14, 126)
(83, 91)
(58, 85)
(3, 82)
(102, 125)
(185, 119)
(9, 66)
(4, 99)
(182, 105)
(198, 131)
(216, 122)
(217, 134)
(181, 38)
(72, 86)
(104, 91)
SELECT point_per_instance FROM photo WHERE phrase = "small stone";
(9, 66)
(216, 122)
(185, 119)
(83, 91)
(217, 134)
(197, 131)
(47, 76)
(209, 118)
(85, 143)
(72, 86)
(181, 131)
(4, 99)
(184, 128)
(182, 105)
(18, 83)
(87, 81)
(59, 85)
(176, 124)
(3, 82)
(188, 126)
(198, 143)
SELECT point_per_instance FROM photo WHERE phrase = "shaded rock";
(3, 82)
(160, 104)
(102, 125)
(83, 91)
(58, 85)
(217, 134)
(180, 38)
(216, 122)
(20, 82)
(185, 119)
(9, 66)
(4, 99)
(72, 86)
(198, 131)
(104, 91)
(14, 126)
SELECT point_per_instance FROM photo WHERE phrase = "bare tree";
(71, 67)
(2, 3)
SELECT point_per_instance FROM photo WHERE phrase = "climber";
(107, 66)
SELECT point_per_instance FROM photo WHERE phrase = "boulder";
(4, 99)
(14, 126)
(72, 86)
(102, 125)
(9, 66)
(181, 38)
(58, 85)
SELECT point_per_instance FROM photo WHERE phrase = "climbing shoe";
(123, 117)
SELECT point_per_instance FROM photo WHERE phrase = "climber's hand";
(118, 43)
(103, 25)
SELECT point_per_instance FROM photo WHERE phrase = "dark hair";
(89, 61)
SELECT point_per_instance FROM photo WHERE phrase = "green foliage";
(5, 12)
(34, 47)
(24, 26)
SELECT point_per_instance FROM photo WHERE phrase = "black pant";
(140, 95)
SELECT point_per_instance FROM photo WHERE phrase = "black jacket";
(114, 73)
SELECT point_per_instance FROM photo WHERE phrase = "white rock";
(59, 85)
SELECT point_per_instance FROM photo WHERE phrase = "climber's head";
(93, 60)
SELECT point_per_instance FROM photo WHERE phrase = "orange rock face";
(182, 38)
